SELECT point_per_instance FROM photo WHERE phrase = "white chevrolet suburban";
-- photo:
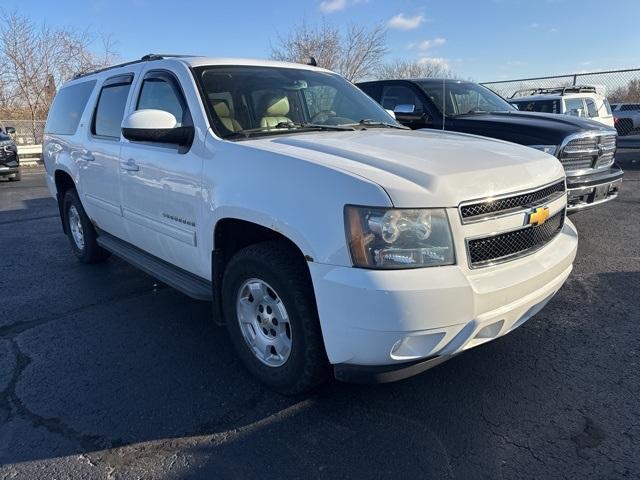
(326, 234)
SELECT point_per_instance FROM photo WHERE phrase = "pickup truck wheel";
(272, 319)
(80, 231)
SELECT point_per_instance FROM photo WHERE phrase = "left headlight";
(389, 238)
(550, 149)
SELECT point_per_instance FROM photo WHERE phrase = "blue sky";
(482, 39)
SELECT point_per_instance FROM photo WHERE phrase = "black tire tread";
(293, 271)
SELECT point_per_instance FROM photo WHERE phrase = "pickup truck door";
(161, 184)
(98, 159)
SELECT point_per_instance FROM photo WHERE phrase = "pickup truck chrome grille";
(496, 206)
(588, 151)
(509, 245)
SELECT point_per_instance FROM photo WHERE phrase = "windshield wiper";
(288, 127)
(367, 122)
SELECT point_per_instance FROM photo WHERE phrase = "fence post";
(575, 79)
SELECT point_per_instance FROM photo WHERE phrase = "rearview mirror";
(158, 126)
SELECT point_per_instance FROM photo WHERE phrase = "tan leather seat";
(224, 114)
(275, 110)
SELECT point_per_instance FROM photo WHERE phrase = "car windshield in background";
(249, 101)
(464, 98)
(544, 106)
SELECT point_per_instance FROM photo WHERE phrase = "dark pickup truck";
(9, 160)
(585, 148)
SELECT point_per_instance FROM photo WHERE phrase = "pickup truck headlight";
(550, 149)
(389, 238)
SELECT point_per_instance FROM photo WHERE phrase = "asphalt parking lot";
(104, 373)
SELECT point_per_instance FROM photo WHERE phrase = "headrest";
(276, 106)
(221, 108)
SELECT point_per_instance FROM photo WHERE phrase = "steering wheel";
(326, 113)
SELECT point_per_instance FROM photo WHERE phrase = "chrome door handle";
(130, 165)
(87, 156)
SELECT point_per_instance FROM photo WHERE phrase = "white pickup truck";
(328, 236)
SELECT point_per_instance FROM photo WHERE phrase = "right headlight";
(389, 238)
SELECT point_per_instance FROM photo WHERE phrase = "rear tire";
(269, 306)
(82, 236)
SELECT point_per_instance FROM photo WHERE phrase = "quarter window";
(163, 94)
(67, 108)
(110, 108)
(574, 104)
(591, 108)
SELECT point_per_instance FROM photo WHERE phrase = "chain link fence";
(619, 86)
(28, 132)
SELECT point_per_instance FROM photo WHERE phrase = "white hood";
(423, 168)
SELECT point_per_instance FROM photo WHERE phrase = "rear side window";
(544, 106)
(107, 118)
(67, 108)
(591, 108)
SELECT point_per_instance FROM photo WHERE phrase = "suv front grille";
(478, 210)
(584, 153)
(516, 243)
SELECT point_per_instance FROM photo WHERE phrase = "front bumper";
(387, 325)
(7, 171)
(590, 190)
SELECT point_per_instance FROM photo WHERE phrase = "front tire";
(16, 177)
(82, 236)
(272, 319)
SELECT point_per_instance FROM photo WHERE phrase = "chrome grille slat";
(474, 211)
(588, 152)
(513, 244)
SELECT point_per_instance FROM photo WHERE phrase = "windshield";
(463, 98)
(246, 101)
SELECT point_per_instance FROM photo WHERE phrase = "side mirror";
(10, 131)
(391, 112)
(407, 115)
(157, 126)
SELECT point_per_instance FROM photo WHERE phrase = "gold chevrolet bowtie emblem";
(539, 216)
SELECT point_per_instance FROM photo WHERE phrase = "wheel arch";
(230, 235)
(63, 182)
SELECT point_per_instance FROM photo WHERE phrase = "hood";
(423, 168)
(526, 128)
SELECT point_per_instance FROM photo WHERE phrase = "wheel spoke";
(264, 322)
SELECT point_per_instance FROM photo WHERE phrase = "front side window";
(163, 94)
(456, 98)
(394, 95)
(67, 108)
(248, 101)
(110, 108)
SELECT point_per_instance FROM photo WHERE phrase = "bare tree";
(423, 68)
(354, 53)
(629, 93)
(35, 58)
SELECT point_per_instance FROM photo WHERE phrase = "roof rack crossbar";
(146, 58)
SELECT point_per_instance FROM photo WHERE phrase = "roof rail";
(552, 90)
(146, 58)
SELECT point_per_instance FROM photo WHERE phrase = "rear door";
(100, 156)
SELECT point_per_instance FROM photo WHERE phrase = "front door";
(161, 183)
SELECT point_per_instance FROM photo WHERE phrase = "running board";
(180, 279)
